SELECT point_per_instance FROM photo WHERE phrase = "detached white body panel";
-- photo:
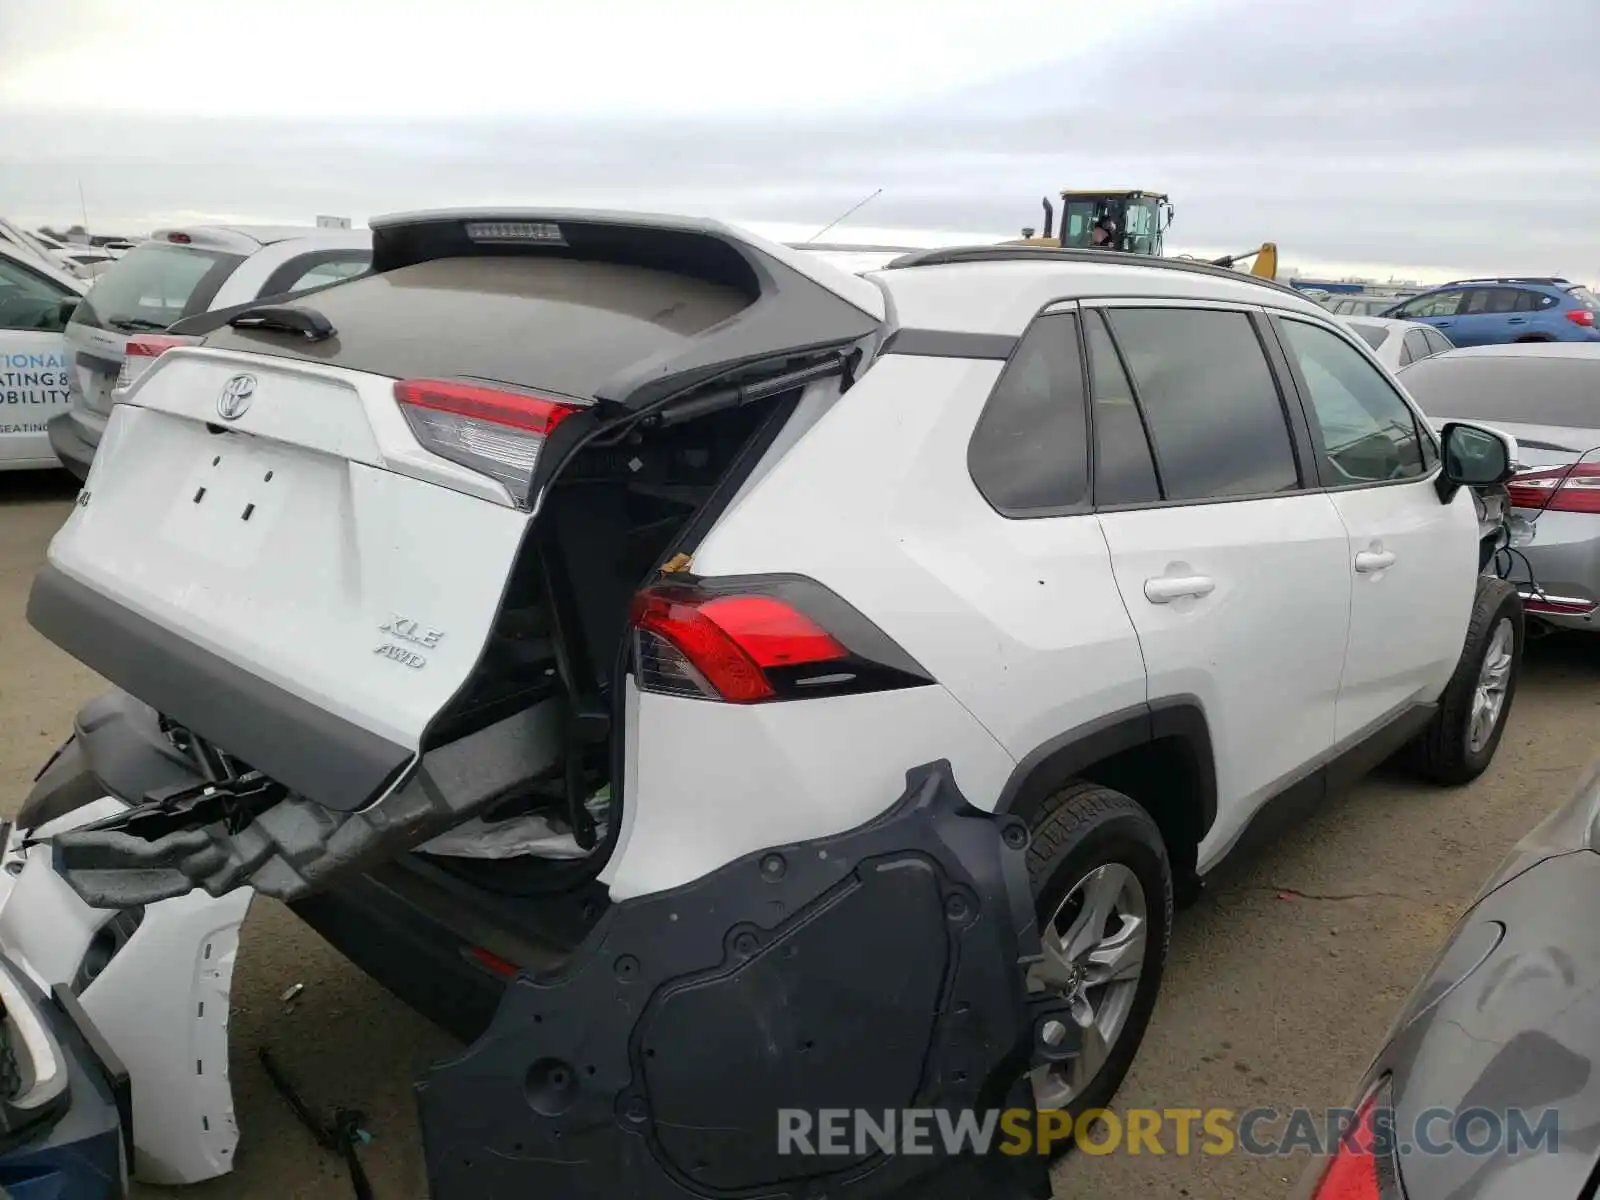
(162, 1003)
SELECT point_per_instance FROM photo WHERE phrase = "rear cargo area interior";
(618, 511)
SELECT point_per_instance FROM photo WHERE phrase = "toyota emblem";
(235, 398)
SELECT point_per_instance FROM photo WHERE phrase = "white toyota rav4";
(712, 682)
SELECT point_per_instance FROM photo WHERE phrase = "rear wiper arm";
(285, 318)
(132, 324)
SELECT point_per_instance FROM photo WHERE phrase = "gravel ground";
(1281, 979)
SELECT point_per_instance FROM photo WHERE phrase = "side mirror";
(1474, 456)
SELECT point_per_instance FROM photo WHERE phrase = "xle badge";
(407, 630)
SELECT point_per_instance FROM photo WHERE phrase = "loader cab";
(1140, 217)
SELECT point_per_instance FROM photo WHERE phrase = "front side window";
(1029, 453)
(1213, 408)
(1369, 434)
(1440, 304)
(27, 301)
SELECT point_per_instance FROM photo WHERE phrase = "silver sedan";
(1398, 343)
(1547, 396)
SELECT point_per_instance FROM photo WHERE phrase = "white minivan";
(36, 302)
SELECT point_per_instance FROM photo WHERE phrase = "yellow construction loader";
(1134, 220)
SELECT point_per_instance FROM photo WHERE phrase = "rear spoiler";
(799, 305)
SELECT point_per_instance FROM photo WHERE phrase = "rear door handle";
(1374, 560)
(1517, 321)
(1164, 589)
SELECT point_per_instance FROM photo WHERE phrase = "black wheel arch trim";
(1045, 769)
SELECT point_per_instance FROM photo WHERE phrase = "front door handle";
(1164, 589)
(1374, 560)
(1517, 321)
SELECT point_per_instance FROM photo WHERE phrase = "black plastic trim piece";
(309, 751)
(1048, 767)
(947, 343)
(876, 969)
(286, 318)
(952, 255)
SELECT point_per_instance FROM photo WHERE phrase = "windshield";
(1523, 388)
(153, 285)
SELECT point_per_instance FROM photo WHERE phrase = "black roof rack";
(952, 255)
(1553, 279)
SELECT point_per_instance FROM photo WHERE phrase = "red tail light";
(497, 431)
(1363, 1166)
(141, 351)
(1561, 489)
(490, 961)
(749, 642)
(1581, 316)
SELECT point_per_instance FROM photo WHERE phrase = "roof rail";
(1510, 279)
(950, 256)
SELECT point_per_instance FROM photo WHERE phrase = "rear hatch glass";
(1585, 297)
(1523, 388)
(555, 324)
(146, 290)
(154, 285)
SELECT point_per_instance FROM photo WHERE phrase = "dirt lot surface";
(1281, 980)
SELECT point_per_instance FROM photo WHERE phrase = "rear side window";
(1369, 434)
(1214, 411)
(1029, 452)
(153, 285)
(1124, 472)
(1372, 335)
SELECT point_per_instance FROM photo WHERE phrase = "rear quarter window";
(1029, 452)
(154, 285)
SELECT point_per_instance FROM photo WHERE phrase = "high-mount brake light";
(1363, 1166)
(542, 233)
(1558, 489)
(179, 239)
(492, 430)
(752, 641)
(142, 351)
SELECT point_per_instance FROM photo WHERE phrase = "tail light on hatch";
(1364, 1166)
(142, 351)
(755, 640)
(1559, 489)
(498, 431)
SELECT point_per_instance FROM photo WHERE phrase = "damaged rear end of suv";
(413, 575)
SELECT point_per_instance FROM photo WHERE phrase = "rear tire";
(1460, 742)
(1097, 851)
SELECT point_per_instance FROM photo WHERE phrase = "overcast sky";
(1417, 138)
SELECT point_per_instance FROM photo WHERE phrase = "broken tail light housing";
(141, 352)
(497, 431)
(754, 640)
(1365, 1164)
(1558, 489)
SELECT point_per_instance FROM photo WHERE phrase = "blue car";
(1484, 312)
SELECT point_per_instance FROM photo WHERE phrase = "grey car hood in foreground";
(1509, 1018)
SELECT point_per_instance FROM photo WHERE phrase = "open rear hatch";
(315, 543)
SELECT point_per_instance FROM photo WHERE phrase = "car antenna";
(859, 204)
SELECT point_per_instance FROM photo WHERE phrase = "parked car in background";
(36, 300)
(89, 262)
(120, 327)
(1358, 306)
(1548, 397)
(1484, 312)
(1398, 343)
(1504, 1028)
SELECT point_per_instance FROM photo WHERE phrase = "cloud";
(1383, 132)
